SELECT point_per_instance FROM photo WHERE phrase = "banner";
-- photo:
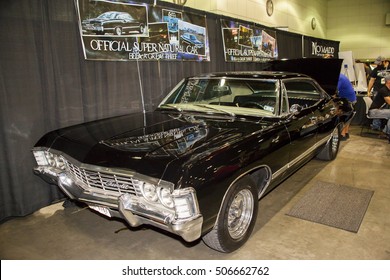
(128, 31)
(248, 42)
(314, 47)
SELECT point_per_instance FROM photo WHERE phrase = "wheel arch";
(261, 176)
(222, 235)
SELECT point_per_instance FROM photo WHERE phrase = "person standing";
(377, 109)
(345, 90)
(377, 75)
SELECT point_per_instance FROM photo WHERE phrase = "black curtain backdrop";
(46, 84)
(289, 45)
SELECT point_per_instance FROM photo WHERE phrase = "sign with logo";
(314, 47)
(112, 30)
(248, 42)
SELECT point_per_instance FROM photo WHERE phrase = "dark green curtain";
(46, 84)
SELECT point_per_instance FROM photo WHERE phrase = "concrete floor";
(55, 232)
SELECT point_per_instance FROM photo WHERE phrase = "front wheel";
(118, 31)
(236, 219)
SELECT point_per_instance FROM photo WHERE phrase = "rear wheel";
(141, 29)
(329, 152)
(236, 219)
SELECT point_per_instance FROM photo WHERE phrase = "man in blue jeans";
(345, 90)
(377, 109)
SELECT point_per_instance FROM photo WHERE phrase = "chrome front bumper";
(133, 209)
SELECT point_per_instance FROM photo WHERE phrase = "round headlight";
(149, 192)
(60, 163)
(50, 159)
(166, 197)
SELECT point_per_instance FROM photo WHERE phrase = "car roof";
(254, 75)
(115, 12)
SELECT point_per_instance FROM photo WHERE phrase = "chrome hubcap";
(240, 214)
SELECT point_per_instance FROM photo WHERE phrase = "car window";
(125, 16)
(237, 93)
(301, 94)
(107, 16)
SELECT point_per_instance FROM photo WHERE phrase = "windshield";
(225, 96)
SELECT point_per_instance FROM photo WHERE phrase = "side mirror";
(295, 108)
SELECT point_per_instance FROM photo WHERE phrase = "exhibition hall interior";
(195, 130)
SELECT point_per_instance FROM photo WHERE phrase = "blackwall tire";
(236, 219)
(331, 148)
(118, 31)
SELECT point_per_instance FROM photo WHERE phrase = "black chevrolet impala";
(198, 165)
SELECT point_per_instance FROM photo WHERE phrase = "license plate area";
(101, 209)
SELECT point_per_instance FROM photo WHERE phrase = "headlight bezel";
(149, 192)
(46, 158)
(166, 198)
(159, 194)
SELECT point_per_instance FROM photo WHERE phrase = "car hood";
(325, 71)
(94, 20)
(148, 143)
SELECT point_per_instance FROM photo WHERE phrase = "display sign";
(314, 47)
(347, 67)
(128, 31)
(248, 42)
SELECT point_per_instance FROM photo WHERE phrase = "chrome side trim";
(299, 158)
(278, 172)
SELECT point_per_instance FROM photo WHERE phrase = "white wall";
(359, 25)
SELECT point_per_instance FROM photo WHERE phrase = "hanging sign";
(248, 42)
(315, 47)
(128, 31)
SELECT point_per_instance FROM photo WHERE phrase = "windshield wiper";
(171, 106)
(215, 109)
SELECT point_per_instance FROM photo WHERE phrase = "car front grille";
(102, 182)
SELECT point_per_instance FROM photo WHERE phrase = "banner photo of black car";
(119, 31)
(248, 42)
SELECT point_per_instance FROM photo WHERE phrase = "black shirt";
(379, 73)
(379, 98)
